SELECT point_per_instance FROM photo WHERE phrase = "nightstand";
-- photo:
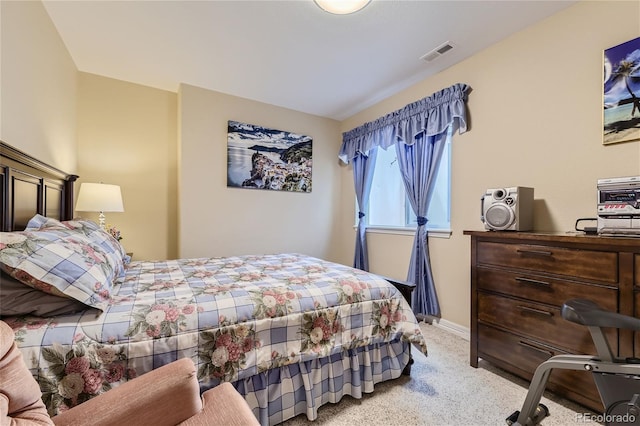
(406, 289)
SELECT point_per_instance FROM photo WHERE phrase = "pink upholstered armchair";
(169, 395)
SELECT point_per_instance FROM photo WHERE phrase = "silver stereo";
(508, 209)
(619, 206)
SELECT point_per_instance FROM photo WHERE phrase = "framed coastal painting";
(263, 158)
(621, 112)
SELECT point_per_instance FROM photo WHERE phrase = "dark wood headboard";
(29, 186)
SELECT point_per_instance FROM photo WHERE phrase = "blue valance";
(429, 116)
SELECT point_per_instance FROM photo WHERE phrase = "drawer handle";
(535, 252)
(535, 348)
(535, 311)
(522, 280)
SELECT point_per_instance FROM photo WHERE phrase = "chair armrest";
(164, 396)
(20, 396)
(223, 405)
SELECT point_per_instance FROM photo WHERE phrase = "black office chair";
(617, 379)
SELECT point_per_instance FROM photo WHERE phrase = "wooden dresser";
(519, 281)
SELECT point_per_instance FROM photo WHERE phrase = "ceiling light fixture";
(342, 7)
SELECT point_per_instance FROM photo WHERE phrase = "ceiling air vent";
(437, 52)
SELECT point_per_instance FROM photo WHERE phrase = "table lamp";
(99, 197)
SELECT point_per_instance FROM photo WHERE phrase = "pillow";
(17, 298)
(59, 263)
(113, 250)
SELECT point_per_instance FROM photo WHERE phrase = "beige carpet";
(443, 389)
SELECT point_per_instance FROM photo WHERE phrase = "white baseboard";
(452, 327)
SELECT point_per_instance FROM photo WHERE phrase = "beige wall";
(535, 115)
(216, 220)
(127, 136)
(37, 86)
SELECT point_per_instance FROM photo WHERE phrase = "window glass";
(387, 198)
(388, 203)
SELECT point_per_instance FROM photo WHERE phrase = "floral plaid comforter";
(235, 317)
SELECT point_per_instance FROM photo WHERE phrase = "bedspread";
(234, 316)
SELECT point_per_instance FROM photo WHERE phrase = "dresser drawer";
(543, 289)
(541, 322)
(587, 264)
(525, 355)
(636, 267)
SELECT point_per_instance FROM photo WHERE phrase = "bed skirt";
(285, 392)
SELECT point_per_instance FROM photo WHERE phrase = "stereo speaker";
(508, 209)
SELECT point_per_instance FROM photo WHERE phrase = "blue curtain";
(418, 130)
(363, 166)
(429, 116)
(418, 164)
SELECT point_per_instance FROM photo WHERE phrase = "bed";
(290, 331)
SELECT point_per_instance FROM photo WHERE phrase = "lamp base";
(102, 221)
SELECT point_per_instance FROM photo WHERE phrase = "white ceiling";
(286, 53)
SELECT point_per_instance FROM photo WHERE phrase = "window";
(388, 204)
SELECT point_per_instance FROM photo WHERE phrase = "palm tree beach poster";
(621, 117)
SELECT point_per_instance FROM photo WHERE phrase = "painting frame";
(259, 157)
(621, 93)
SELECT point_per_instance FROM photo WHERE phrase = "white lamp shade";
(99, 197)
(342, 7)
